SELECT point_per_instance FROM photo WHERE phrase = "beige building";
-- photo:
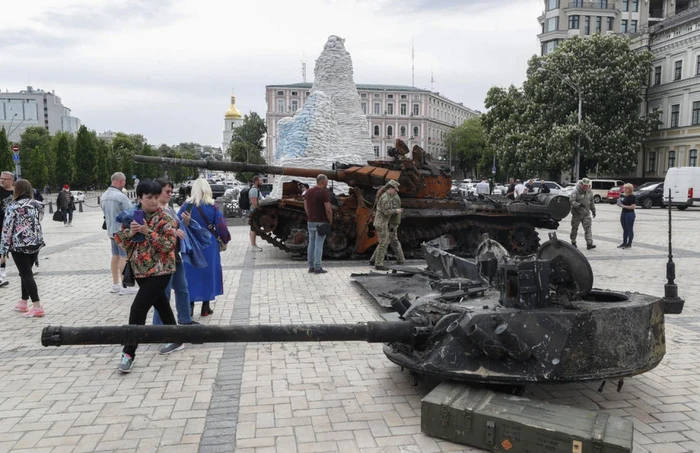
(393, 111)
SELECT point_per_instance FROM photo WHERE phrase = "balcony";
(592, 5)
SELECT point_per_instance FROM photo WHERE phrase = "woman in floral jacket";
(152, 257)
(22, 235)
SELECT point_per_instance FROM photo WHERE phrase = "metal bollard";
(80, 206)
(50, 207)
(98, 199)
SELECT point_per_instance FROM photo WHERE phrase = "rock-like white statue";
(330, 127)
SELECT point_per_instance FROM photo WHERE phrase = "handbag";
(324, 229)
(104, 223)
(212, 228)
(58, 216)
(128, 278)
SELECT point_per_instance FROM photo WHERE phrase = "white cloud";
(166, 69)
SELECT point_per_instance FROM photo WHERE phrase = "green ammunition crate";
(505, 423)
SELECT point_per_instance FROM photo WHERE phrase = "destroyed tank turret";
(539, 320)
(429, 209)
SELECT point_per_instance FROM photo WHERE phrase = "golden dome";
(233, 112)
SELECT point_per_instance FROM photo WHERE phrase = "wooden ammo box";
(505, 423)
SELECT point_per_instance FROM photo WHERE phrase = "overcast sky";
(166, 68)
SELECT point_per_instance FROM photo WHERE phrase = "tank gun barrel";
(240, 167)
(371, 332)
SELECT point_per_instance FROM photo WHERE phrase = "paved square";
(297, 397)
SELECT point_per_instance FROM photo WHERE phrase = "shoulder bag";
(212, 228)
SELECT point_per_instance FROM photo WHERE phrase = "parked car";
(600, 188)
(554, 188)
(567, 189)
(467, 188)
(614, 194)
(650, 194)
(78, 196)
(684, 183)
(454, 190)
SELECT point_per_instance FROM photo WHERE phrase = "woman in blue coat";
(206, 283)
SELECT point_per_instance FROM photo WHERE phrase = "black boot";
(206, 309)
(191, 309)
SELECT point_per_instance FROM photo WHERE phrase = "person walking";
(7, 181)
(152, 260)
(113, 202)
(483, 188)
(317, 204)
(206, 283)
(628, 204)
(582, 208)
(387, 219)
(178, 281)
(254, 196)
(65, 202)
(23, 237)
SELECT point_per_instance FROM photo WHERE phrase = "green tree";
(468, 143)
(102, 173)
(85, 157)
(124, 147)
(64, 157)
(6, 162)
(36, 171)
(35, 141)
(247, 143)
(535, 130)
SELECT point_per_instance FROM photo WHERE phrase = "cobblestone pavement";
(296, 397)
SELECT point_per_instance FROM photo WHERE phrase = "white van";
(601, 187)
(684, 183)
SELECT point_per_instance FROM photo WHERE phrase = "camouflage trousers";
(387, 237)
(587, 222)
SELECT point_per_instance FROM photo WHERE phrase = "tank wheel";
(662, 205)
(338, 245)
(413, 378)
(267, 222)
(647, 203)
(524, 240)
(596, 199)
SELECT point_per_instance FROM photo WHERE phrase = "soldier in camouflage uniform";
(582, 206)
(386, 221)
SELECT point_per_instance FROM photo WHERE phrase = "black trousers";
(151, 294)
(24, 263)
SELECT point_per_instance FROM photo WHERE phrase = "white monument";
(232, 119)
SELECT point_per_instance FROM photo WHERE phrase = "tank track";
(519, 238)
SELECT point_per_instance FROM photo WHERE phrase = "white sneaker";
(115, 288)
(3, 272)
(255, 248)
(128, 291)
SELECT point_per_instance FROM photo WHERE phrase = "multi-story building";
(563, 19)
(414, 115)
(232, 119)
(30, 107)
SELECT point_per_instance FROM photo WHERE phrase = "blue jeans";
(178, 282)
(315, 250)
(627, 221)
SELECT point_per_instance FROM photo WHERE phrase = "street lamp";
(9, 130)
(577, 89)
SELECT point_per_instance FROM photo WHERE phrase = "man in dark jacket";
(66, 204)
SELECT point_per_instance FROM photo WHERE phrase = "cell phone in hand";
(138, 216)
(189, 208)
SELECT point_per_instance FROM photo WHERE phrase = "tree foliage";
(247, 143)
(469, 144)
(535, 130)
(6, 162)
(65, 161)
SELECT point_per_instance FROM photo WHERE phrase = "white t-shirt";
(483, 188)
(519, 189)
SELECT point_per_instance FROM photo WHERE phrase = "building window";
(678, 70)
(389, 131)
(376, 130)
(402, 131)
(280, 105)
(363, 95)
(390, 96)
(625, 5)
(403, 109)
(294, 93)
(416, 109)
(598, 24)
(552, 24)
(308, 93)
(623, 26)
(657, 75)
(280, 93)
(693, 158)
(652, 162)
(603, 4)
(390, 108)
(633, 26)
(675, 113)
(635, 6)
(364, 108)
(388, 149)
(295, 105)
(403, 96)
(416, 131)
(587, 25)
(696, 112)
(671, 159)
(611, 21)
(376, 151)
(552, 4)
(377, 108)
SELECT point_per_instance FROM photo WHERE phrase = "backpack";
(243, 200)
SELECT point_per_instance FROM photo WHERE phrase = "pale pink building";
(393, 111)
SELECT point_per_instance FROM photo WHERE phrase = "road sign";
(15, 157)
(493, 169)
(15, 149)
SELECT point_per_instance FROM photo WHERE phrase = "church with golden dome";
(232, 119)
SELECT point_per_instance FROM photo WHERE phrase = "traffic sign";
(15, 149)
(15, 157)
(493, 169)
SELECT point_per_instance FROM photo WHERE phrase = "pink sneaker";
(34, 313)
(21, 306)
